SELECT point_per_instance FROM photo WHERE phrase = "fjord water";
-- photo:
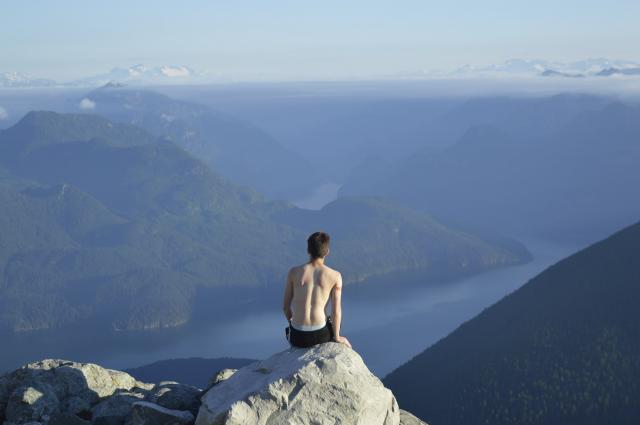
(388, 320)
(319, 197)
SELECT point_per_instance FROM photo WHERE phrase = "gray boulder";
(108, 420)
(143, 386)
(222, 375)
(41, 389)
(145, 413)
(103, 382)
(75, 405)
(31, 403)
(67, 419)
(325, 384)
(87, 381)
(175, 396)
(113, 409)
(407, 418)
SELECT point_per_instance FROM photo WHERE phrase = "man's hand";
(344, 341)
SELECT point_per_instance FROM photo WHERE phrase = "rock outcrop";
(325, 384)
(145, 413)
(61, 392)
(407, 418)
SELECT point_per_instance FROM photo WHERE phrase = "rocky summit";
(61, 392)
(325, 384)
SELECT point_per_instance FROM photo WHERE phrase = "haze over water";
(386, 327)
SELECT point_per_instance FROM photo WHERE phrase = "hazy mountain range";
(236, 149)
(146, 75)
(105, 223)
(141, 74)
(564, 348)
(191, 371)
(563, 167)
(600, 67)
(18, 79)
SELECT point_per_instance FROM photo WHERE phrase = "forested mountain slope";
(102, 222)
(564, 348)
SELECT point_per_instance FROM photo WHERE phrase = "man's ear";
(328, 251)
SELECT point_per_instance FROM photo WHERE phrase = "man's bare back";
(312, 286)
(308, 288)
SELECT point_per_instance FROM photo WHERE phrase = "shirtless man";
(307, 290)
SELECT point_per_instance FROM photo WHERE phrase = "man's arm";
(336, 309)
(288, 295)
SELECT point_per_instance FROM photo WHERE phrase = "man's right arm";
(336, 309)
(288, 295)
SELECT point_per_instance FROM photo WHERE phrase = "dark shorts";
(305, 339)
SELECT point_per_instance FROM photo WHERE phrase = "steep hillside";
(121, 229)
(564, 348)
(114, 226)
(571, 177)
(236, 149)
(373, 236)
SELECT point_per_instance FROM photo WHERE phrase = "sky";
(66, 39)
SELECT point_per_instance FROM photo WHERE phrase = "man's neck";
(316, 261)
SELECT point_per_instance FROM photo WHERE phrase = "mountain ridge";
(143, 235)
(561, 349)
(512, 170)
(235, 148)
(144, 75)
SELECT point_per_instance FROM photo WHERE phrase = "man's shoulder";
(333, 272)
(296, 269)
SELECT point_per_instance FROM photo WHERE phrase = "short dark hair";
(318, 244)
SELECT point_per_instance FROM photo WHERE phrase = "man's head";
(318, 245)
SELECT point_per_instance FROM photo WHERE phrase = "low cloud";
(87, 104)
(3, 114)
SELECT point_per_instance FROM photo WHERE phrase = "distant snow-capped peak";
(18, 79)
(524, 67)
(142, 71)
(143, 75)
(138, 74)
(134, 71)
(176, 71)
